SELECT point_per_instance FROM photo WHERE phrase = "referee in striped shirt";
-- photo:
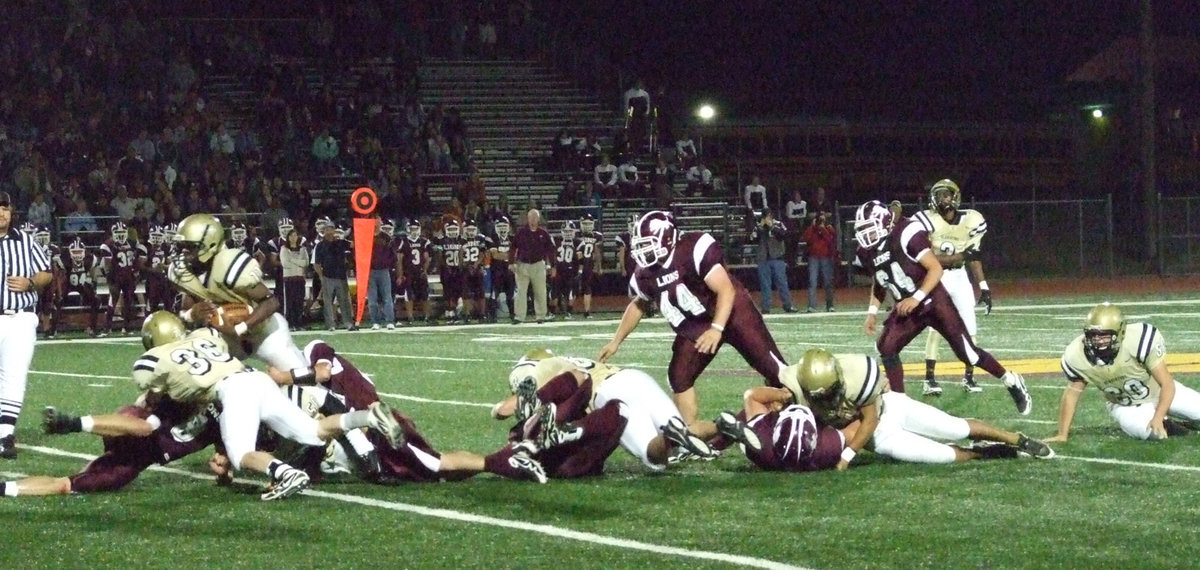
(26, 270)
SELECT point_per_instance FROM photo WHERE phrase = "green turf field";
(1105, 502)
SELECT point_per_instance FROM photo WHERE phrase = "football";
(230, 314)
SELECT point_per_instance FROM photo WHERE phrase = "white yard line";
(432, 401)
(588, 537)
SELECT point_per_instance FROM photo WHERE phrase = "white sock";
(1009, 378)
(87, 423)
(354, 420)
(358, 440)
(10, 489)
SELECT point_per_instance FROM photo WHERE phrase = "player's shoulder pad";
(1073, 359)
(1141, 339)
(236, 269)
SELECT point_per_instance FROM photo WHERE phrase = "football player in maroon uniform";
(414, 253)
(159, 294)
(588, 252)
(416, 460)
(899, 257)
(566, 270)
(124, 261)
(80, 270)
(475, 264)
(781, 435)
(624, 250)
(450, 245)
(47, 298)
(245, 238)
(503, 280)
(684, 273)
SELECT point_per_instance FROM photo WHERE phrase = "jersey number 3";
(200, 360)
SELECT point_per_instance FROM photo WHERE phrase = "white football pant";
(250, 398)
(907, 430)
(644, 404)
(273, 344)
(958, 285)
(1135, 420)
(18, 333)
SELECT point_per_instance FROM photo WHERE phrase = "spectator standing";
(532, 252)
(755, 196)
(795, 216)
(41, 212)
(26, 271)
(685, 151)
(380, 302)
(331, 262)
(821, 238)
(294, 262)
(770, 235)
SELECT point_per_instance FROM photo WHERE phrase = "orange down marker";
(363, 202)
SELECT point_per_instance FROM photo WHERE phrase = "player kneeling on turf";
(1126, 361)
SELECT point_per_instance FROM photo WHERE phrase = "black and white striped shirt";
(20, 256)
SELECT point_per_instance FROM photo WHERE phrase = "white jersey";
(1127, 381)
(965, 231)
(862, 385)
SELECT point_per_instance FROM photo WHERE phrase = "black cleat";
(56, 422)
(1033, 447)
(8, 447)
(679, 435)
(729, 426)
(932, 388)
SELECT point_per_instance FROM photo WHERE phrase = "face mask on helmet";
(470, 231)
(42, 237)
(387, 228)
(820, 380)
(653, 238)
(340, 233)
(452, 230)
(568, 232)
(503, 229)
(156, 235)
(284, 226)
(1102, 334)
(169, 233)
(77, 251)
(238, 234)
(414, 232)
(29, 228)
(120, 234)
(872, 222)
(944, 196)
(587, 225)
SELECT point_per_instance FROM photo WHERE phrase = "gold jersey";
(543, 371)
(948, 238)
(1127, 381)
(232, 274)
(862, 384)
(187, 370)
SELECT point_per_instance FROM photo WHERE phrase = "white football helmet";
(414, 231)
(452, 229)
(653, 238)
(872, 223)
(284, 226)
(387, 228)
(120, 233)
(503, 228)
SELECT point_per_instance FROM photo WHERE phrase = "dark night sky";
(896, 60)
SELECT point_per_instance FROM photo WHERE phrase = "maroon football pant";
(745, 332)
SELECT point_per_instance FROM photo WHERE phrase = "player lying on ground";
(783, 436)
(844, 388)
(1126, 361)
(413, 461)
(574, 386)
(198, 369)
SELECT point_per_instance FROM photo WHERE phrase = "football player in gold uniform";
(843, 388)
(1126, 361)
(956, 234)
(210, 274)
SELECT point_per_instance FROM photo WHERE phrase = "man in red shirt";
(822, 251)
(532, 252)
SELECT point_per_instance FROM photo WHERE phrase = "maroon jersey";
(791, 441)
(251, 245)
(158, 258)
(346, 380)
(474, 251)
(565, 255)
(679, 288)
(122, 259)
(414, 254)
(893, 262)
(78, 275)
(452, 251)
(587, 247)
(502, 246)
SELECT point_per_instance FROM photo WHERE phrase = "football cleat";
(1033, 447)
(383, 420)
(1019, 393)
(552, 433)
(290, 482)
(527, 400)
(994, 450)
(682, 455)
(678, 434)
(970, 386)
(369, 466)
(731, 427)
(56, 422)
(522, 462)
(932, 388)
(8, 447)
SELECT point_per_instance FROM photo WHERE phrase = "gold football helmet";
(523, 366)
(1102, 333)
(202, 235)
(944, 195)
(162, 327)
(820, 378)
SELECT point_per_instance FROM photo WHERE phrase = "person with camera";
(771, 235)
(821, 238)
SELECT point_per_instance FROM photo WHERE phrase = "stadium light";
(1097, 113)
(706, 112)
